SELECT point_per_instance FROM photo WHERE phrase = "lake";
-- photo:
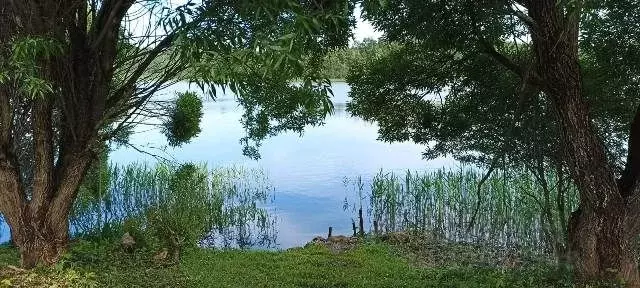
(308, 172)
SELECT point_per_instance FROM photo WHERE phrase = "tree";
(337, 63)
(528, 81)
(478, 120)
(76, 74)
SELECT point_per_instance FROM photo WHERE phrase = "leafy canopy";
(456, 79)
(255, 49)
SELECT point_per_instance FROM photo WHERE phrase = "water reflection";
(307, 172)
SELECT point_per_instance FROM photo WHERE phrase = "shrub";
(184, 216)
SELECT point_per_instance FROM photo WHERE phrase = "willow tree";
(77, 73)
(519, 79)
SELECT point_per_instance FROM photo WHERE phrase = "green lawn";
(370, 265)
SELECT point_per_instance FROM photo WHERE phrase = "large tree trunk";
(601, 248)
(600, 233)
(42, 241)
(60, 128)
(40, 228)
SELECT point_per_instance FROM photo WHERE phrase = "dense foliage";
(337, 63)
(184, 120)
(544, 85)
(443, 87)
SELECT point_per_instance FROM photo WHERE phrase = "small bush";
(184, 216)
(135, 227)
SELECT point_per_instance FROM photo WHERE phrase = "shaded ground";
(370, 264)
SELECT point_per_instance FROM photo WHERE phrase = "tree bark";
(599, 233)
(40, 229)
(606, 254)
(41, 240)
(62, 129)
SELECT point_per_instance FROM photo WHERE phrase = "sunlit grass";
(370, 265)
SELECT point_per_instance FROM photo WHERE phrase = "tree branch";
(531, 76)
(502, 59)
(162, 46)
(140, 69)
(11, 196)
(492, 167)
(525, 18)
(6, 121)
(69, 178)
(109, 17)
(156, 156)
(143, 98)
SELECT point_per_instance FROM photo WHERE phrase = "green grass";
(369, 265)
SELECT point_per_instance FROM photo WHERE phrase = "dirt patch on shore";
(336, 244)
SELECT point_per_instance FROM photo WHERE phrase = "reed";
(515, 210)
(232, 202)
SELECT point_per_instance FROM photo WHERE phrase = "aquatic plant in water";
(515, 211)
(231, 202)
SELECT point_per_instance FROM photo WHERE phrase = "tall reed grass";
(512, 208)
(234, 203)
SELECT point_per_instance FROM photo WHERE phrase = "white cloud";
(364, 29)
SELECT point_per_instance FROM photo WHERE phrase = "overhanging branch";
(502, 59)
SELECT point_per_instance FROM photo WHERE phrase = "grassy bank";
(174, 209)
(372, 264)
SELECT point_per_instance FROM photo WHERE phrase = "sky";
(364, 29)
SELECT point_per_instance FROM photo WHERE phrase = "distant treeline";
(337, 63)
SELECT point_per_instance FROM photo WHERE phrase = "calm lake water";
(308, 172)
